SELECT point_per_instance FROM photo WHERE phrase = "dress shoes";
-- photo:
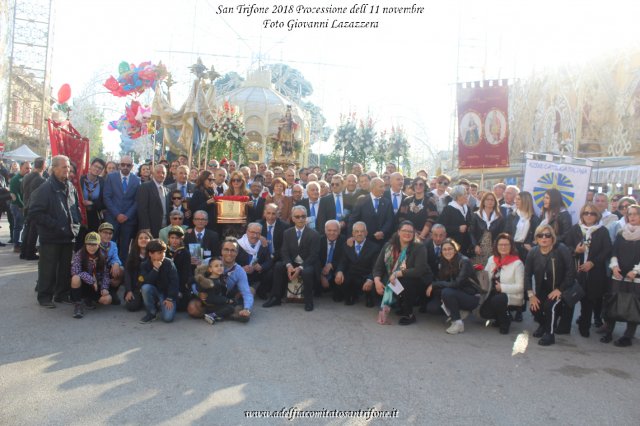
(350, 301)
(607, 338)
(272, 301)
(369, 302)
(407, 320)
(308, 306)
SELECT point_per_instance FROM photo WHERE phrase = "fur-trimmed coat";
(216, 289)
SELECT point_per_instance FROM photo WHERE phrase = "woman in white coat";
(506, 272)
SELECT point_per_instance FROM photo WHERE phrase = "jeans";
(151, 296)
(455, 300)
(18, 221)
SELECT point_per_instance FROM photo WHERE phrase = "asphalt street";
(109, 369)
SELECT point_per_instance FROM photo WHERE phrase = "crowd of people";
(150, 240)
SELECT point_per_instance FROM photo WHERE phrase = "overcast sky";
(401, 73)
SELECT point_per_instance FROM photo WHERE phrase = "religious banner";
(66, 140)
(483, 133)
(571, 180)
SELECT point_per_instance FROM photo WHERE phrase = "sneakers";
(78, 312)
(456, 327)
(547, 340)
(210, 319)
(148, 318)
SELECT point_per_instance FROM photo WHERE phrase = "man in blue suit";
(376, 212)
(120, 191)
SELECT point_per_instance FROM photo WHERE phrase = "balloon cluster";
(134, 122)
(135, 80)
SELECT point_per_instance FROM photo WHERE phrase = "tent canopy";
(23, 153)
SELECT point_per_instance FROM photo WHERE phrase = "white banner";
(572, 181)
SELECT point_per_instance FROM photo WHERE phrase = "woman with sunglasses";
(552, 267)
(405, 260)
(486, 224)
(554, 213)
(591, 247)
(455, 284)
(625, 264)
(623, 205)
(419, 209)
(441, 194)
(506, 271)
(203, 198)
(237, 187)
(278, 198)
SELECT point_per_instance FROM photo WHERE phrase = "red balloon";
(64, 94)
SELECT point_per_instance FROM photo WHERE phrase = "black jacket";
(561, 224)
(538, 264)
(415, 261)
(182, 261)
(165, 279)
(479, 226)
(362, 266)
(594, 281)
(462, 281)
(53, 206)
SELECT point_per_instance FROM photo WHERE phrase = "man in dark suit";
(350, 190)
(185, 187)
(273, 230)
(120, 191)
(256, 209)
(312, 203)
(355, 268)
(394, 193)
(331, 251)
(199, 234)
(433, 244)
(30, 183)
(254, 258)
(152, 202)
(332, 206)
(299, 253)
(375, 211)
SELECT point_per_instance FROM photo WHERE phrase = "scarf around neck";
(502, 262)
(631, 232)
(246, 245)
(461, 209)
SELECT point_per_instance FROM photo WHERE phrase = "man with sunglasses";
(333, 206)
(299, 258)
(176, 218)
(120, 192)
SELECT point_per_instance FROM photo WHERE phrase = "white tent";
(23, 153)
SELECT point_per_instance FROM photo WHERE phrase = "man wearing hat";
(181, 257)
(110, 251)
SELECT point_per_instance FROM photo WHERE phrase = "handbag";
(622, 301)
(573, 294)
(294, 290)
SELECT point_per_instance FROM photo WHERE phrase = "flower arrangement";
(227, 132)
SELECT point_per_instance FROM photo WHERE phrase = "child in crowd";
(160, 284)
(109, 250)
(212, 303)
(89, 276)
(182, 259)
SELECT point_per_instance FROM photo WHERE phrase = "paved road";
(108, 369)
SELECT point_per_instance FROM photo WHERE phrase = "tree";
(228, 83)
(399, 149)
(345, 139)
(381, 151)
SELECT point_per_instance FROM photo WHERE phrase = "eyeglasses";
(300, 217)
(176, 218)
(623, 206)
(211, 180)
(236, 180)
(126, 165)
(176, 198)
(199, 218)
(443, 182)
(336, 184)
(589, 214)
(544, 235)
(228, 250)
